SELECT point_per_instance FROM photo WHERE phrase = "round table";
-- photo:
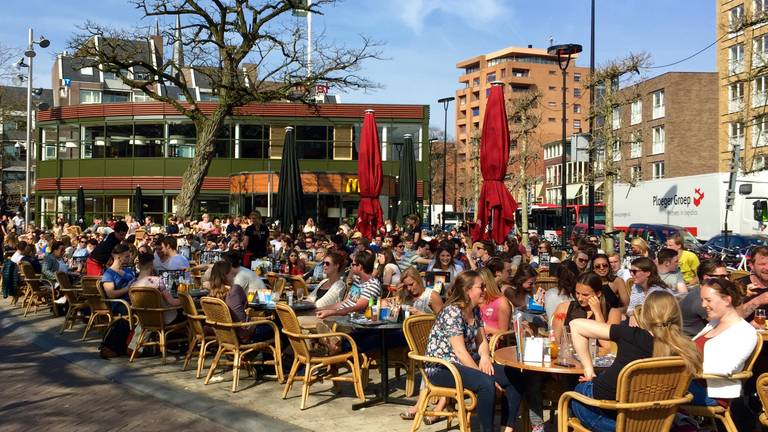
(383, 396)
(299, 306)
(508, 357)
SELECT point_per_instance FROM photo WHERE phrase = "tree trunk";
(609, 170)
(524, 181)
(192, 180)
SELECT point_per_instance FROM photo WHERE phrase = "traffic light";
(730, 196)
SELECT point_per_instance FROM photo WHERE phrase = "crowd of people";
(647, 304)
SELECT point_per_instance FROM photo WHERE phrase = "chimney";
(530, 46)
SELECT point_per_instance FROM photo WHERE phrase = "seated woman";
(413, 293)
(332, 289)
(590, 304)
(387, 270)
(119, 276)
(495, 310)
(647, 280)
(544, 247)
(521, 286)
(296, 266)
(148, 278)
(458, 336)
(30, 256)
(658, 334)
(444, 261)
(222, 287)
(563, 293)
(726, 342)
(615, 290)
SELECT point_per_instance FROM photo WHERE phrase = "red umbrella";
(369, 215)
(496, 208)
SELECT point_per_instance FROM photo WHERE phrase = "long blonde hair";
(660, 314)
(641, 244)
(457, 292)
(492, 291)
(412, 273)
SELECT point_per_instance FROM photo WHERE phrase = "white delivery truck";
(696, 203)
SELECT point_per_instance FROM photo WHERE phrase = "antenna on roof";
(551, 40)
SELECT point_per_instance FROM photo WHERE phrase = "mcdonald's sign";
(352, 185)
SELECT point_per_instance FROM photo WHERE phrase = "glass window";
(69, 141)
(49, 138)
(93, 141)
(314, 142)
(90, 96)
(396, 135)
(148, 140)
(214, 205)
(223, 141)
(254, 141)
(115, 97)
(181, 140)
(118, 142)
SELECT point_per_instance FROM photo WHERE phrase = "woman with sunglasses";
(726, 342)
(615, 290)
(544, 247)
(646, 280)
(458, 336)
(330, 290)
(694, 316)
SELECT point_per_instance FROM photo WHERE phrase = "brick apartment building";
(521, 70)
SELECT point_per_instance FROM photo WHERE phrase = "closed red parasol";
(369, 215)
(496, 207)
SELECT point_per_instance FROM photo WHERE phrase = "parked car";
(737, 241)
(656, 236)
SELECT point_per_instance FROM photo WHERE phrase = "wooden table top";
(508, 357)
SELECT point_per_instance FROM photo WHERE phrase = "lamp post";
(445, 102)
(591, 210)
(432, 141)
(564, 54)
(30, 54)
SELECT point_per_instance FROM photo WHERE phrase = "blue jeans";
(484, 386)
(592, 418)
(700, 397)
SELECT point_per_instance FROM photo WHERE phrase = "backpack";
(115, 342)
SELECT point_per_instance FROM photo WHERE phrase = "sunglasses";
(635, 271)
(583, 260)
(327, 263)
(600, 266)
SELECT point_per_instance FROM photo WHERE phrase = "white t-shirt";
(248, 280)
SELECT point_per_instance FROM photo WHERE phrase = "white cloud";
(476, 12)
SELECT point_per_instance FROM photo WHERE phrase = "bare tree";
(524, 121)
(605, 139)
(249, 51)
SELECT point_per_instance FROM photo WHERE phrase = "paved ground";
(51, 381)
(42, 391)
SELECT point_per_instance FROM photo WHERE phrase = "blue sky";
(424, 39)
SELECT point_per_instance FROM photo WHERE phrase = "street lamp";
(564, 54)
(432, 141)
(445, 102)
(30, 54)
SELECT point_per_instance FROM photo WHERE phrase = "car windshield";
(757, 241)
(688, 239)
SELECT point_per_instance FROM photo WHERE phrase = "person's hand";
(588, 375)
(751, 290)
(322, 314)
(486, 365)
(760, 300)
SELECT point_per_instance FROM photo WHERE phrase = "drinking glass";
(760, 317)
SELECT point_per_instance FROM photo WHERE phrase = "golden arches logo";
(352, 186)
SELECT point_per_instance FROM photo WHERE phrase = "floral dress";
(450, 322)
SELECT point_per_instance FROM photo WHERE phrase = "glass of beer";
(760, 317)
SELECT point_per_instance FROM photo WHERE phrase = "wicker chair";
(648, 395)
(99, 305)
(38, 291)
(299, 285)
(720, 413)
(546, 282)
(277, 289)
(313, 361)
(146, 304)
(762, 391)
(76, 303)
(196, 331)
(217, 316)
(417, 330)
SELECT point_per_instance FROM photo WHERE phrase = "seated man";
(367, 288)
(167, 259)
(667, 261)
